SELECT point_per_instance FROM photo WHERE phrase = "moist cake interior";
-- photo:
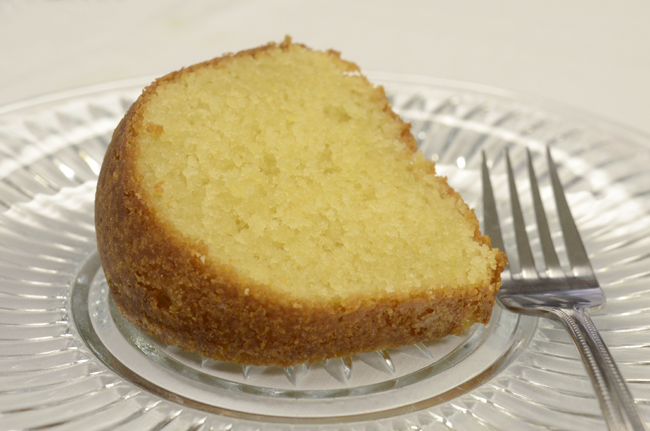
(294, 172)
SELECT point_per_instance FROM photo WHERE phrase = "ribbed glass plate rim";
(566, 111)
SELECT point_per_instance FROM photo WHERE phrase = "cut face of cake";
(269, 208)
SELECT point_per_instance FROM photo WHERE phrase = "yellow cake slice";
(269, 208)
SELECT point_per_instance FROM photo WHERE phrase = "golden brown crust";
(160, 283)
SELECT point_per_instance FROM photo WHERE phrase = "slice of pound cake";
(269, 208)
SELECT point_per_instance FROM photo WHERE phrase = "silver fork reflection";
(559, 294)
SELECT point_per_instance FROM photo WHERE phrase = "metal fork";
(559, 294)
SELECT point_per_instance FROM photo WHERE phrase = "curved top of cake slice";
(287, 166)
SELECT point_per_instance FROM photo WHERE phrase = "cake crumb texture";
(269, 208)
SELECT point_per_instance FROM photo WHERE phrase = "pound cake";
(269, 208)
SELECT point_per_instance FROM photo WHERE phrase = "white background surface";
(594, 55)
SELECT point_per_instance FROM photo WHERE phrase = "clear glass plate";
(68, 360)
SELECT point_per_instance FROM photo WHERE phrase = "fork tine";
(548, 248)
(575, 248)
(490, 216)
(526, 260)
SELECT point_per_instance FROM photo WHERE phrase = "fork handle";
(614, 396)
